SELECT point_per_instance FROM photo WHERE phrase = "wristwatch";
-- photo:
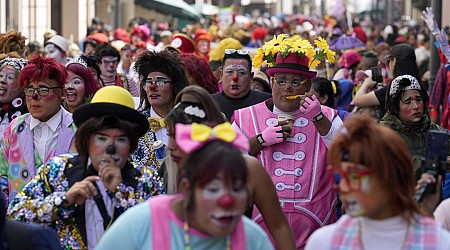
(260, 139)
(318, 117)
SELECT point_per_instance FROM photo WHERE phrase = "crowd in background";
(283, 132)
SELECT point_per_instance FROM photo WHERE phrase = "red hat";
(202, 34)
(260, 33)
(291, 64)
(122, 34)
(349, 58)
(400, 39)
(98, 37)
(183, 43)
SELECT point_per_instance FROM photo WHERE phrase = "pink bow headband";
(191, 137)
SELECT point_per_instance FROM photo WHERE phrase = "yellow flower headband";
(295, 44)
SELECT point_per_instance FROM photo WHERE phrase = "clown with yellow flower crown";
(294, 153)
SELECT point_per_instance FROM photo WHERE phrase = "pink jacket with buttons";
(297, 168)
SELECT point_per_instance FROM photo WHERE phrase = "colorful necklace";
(361, 240)
(187, 239)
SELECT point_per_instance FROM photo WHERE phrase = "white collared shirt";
(94, 219)
(45, 134)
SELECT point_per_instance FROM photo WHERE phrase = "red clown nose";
(235, 78)
(153, 87)
(226, 201)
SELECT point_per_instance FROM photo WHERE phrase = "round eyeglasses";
(295, 83)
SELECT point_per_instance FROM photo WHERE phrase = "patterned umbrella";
(345, 42)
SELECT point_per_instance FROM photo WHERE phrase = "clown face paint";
(44, 107)
(160, 95)
(351, 204)
(9, 86)
(51, 51)
(75, 91)
(411, 106)
(236, 78)
(203, 46)
(363, 195)
(99, 142)
(108, 67)
(219, 206)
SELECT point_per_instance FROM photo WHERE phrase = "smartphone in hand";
(376, 75)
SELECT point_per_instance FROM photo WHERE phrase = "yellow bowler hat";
(114, 94)
(111, 101)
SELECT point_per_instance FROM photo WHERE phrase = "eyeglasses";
(233, 51)
(351, 175)
(42, 91)
(159, 82)
(106, 61)
(295, 83)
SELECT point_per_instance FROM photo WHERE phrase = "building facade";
(70, 18)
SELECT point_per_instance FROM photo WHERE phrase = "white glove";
(443, 40)
(428, 17)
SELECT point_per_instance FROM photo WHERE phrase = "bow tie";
(156, 123)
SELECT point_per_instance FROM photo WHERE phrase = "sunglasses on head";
(233, 51)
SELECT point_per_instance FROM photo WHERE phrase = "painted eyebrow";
(100, 133)
(77, 77)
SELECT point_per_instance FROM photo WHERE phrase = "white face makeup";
(231, 69)
(219, 206)
(51, 51)
(354, 208)
(363, 193)
(236, 78)
(158, 87)
(75, 90)
(108, 66)
(9, 86)
(203, 46)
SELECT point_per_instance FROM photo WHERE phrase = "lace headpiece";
(16, 63)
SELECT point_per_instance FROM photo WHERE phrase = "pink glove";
(311, 107)
(271, 135)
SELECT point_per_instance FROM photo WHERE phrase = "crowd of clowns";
(154, 139)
